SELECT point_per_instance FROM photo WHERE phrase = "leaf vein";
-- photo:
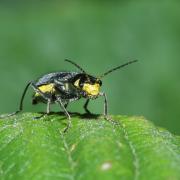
(68, 151)
(133, 151)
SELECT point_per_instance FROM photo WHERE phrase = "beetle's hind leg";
(21, 102)
(47, 110)
(47, 97)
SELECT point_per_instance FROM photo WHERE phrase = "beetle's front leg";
(106, 109)
(105, 103)
(86, 106)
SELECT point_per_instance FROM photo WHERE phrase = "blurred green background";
(36, 37)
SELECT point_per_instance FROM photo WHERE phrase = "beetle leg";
(47, 110)
(106, 109)
(86, 105)
(105, 104)
(59, 100)
(66, 104)
(45, 96)
(21, 102)
(48, 106)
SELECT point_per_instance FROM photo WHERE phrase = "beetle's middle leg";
(59, 100)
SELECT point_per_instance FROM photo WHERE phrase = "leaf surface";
(127, 148)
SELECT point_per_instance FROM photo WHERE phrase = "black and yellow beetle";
(65, 87)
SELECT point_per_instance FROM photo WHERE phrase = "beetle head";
(89, 85)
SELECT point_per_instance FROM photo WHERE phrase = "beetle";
(65, 87)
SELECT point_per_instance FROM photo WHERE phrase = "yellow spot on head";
(91, 89)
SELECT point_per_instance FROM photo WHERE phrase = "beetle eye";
(100, 82)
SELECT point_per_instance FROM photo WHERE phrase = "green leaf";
(127, 148)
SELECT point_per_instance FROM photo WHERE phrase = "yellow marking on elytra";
(91, 89)
(76, 83)
(48, 88)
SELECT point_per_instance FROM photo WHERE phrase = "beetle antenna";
(75, 65)
(118, 67)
